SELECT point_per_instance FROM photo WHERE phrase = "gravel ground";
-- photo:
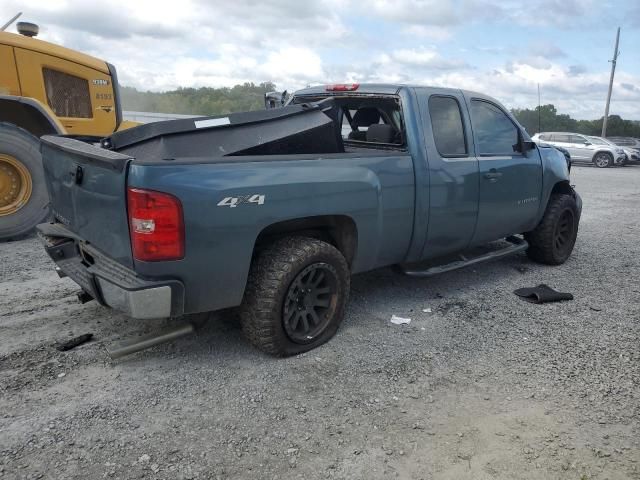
(485, 386)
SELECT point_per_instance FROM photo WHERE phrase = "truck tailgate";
(87, 188)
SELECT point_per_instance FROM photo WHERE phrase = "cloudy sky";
(495, 46)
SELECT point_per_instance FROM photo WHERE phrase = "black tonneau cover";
(294, 129)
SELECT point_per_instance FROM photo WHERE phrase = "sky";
(503, 48)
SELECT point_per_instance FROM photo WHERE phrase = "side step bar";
(517, 245)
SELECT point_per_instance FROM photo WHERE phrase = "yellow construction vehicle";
(45, 89)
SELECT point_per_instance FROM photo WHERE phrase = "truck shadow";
(376, 293)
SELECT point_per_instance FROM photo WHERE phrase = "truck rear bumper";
(107, 281)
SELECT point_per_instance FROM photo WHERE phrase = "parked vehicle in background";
(583, 148)
(603, 141)
(273, 210)
(630, 145)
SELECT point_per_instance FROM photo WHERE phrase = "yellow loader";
(45, 89)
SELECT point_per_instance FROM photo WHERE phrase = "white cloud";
(161, 45)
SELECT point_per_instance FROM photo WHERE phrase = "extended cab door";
(453, 172)
(510, 180)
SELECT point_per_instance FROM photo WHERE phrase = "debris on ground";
(542, 294)
(399, 320)
(74, 342)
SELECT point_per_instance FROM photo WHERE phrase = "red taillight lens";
(342, 87)
(156, 225)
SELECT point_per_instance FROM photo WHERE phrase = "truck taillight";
(156, 225)
(342, 87)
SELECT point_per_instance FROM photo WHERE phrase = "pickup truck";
(273, 211)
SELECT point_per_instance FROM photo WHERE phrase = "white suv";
(584, 148)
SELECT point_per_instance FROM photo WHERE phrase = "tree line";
(250, 96)
(552, 121)
(198, 101)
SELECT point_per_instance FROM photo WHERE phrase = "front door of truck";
(510, 180)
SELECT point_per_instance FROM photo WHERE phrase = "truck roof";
(376, 88)
(40, 46)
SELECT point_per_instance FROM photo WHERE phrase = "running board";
(517, 245)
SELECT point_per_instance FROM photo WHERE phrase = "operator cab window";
(495, 133)
(67, 95)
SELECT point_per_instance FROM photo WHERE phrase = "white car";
(584, 148)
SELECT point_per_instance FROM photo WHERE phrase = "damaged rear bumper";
(107, 281)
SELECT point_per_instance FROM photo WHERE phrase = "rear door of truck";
(87, 187)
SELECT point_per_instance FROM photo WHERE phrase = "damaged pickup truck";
(273, 211)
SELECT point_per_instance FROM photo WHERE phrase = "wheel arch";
(338, 230)
(562, 187)
(30, 115)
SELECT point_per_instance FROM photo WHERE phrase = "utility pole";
(539, 109)
(613, 72)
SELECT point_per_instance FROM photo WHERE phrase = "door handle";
(492, 174)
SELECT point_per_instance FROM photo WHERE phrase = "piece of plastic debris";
(74, 342)
(399, 320)
(427, 310)
(60, 375)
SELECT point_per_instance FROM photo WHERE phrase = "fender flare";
(30, 115)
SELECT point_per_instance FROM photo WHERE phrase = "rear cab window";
(367, 121)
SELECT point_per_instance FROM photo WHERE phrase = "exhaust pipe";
(127, 347)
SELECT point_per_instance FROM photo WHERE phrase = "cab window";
(447, 126)
(495, 133)
(67, 95)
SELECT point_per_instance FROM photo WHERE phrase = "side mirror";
(524, 145)
(586, 144)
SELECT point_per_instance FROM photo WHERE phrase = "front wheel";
(552, 241)
(603, 160)
(24, 201)
(295, 297)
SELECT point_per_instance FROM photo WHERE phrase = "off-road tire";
(25, 148)
(271, 277)
(598, 160)
(543, 240)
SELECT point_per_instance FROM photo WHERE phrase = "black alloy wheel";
(310, 302)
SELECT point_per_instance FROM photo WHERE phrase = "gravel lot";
(485, 386)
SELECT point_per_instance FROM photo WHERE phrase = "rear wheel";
(23, 194)
(295, 297)
(603, 160)
(552, 241)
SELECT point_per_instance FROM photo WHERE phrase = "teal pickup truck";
(272, 211)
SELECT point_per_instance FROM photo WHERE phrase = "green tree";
(550, 120)
(198, 101)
